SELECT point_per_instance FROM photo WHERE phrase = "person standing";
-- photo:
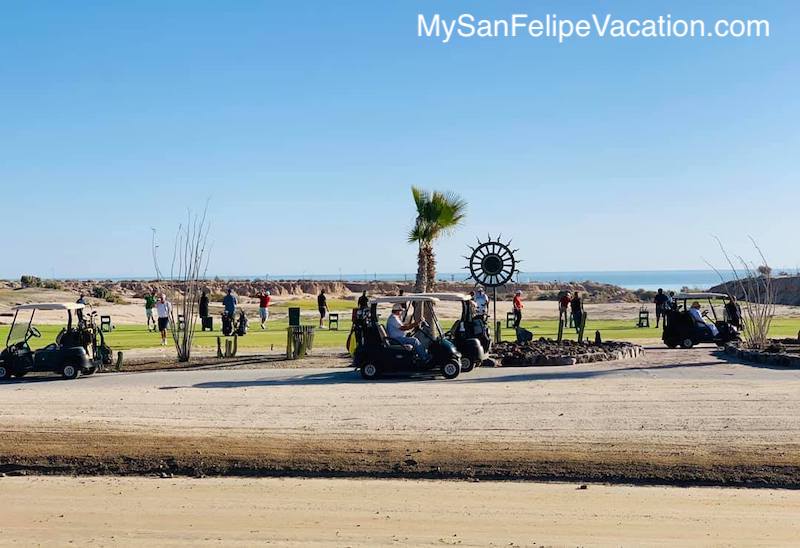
(263, 307)
(661, 300)
(149, 303)
(322, 305)
(481, 301)
(203, 305)
(577, 310)
(363, 301)
(733, 312)
(163, 309)
(563, 307)
(517, 305)
(81, 300)
(229, 302)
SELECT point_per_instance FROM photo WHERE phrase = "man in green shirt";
(149, 303)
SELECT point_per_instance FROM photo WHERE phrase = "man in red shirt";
(263, 307)
(517, 304)
(563, 308)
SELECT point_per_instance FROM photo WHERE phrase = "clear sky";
(306, 122)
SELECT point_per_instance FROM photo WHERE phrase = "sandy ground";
(670, 417)
(321, 512)
(133, 313)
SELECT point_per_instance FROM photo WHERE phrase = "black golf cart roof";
(699, 296)
(49, 306)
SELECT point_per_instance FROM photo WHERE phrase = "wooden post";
(219, 347)
(561, 323)
(498, 336)
(582, 326)
(119, 361)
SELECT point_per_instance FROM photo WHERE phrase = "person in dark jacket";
(204, 304)
(661, 300)
(322, 305)
(577, 310)
(733, 313)
(363, 301)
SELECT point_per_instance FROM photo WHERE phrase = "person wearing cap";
(481, 301)
(263, 307)
(700, 320)
(395, 329)
(517, 306)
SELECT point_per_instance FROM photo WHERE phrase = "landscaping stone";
(547, 352)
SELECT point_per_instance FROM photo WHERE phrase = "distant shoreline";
(649, 280)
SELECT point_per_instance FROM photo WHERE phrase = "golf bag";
(241, 325)
(523, 335)
(227, 324)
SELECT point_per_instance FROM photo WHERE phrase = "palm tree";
(438, 213)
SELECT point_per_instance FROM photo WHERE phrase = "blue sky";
(305, 123)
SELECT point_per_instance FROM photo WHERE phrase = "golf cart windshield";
(416, 307)
(19, 327)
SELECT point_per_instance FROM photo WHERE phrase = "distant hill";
(787, 289)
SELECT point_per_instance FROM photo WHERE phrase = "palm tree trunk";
(430, 268)
(422, 270)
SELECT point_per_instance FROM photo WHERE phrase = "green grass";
(127, 337)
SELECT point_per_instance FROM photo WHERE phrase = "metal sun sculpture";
(492, 263)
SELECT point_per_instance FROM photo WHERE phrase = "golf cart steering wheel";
(34, 332)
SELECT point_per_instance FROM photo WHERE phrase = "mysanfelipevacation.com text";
(467, 26)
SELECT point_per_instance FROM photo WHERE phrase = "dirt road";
(316, 512)
(669, 417)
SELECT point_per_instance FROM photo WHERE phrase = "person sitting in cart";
(481, 301)
(396, 330)
(700, 320)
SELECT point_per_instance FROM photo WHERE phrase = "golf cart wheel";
(467, 365)
(451, 369)
(489, 362)
(70, 371)
(369, 371)
(671, 344)
(687, 343)
(5, 372)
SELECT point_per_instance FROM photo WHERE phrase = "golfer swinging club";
(397, 331)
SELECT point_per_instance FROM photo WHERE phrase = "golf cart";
(376, 354)
(470, 333)
(680, 329)
(78, 348)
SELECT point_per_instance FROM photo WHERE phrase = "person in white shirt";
(481, 302)
(163, 308)
(395, 329)
(700, 320)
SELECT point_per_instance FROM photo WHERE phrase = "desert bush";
(52, 284)
(30, 281)
(645, 295)
(100, 292)
(113, 298)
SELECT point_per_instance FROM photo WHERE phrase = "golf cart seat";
(392, 343)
